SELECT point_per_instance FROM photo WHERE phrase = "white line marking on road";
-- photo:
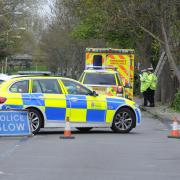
(11, 150)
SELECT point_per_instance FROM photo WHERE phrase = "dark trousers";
(145, 98)
(150, 96)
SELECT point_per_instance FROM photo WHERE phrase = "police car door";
(47, 95)
(84, 107)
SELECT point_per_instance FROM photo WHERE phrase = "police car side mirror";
(94, 93)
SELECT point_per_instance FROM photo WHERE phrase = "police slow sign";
(14, 123)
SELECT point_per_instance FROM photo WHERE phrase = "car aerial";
(51, 100)
(103, 81)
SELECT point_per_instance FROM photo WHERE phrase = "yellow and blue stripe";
(80, 108)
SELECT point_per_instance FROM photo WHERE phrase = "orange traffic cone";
(67, 131)
(174, 132)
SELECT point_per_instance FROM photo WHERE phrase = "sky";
(45, 9)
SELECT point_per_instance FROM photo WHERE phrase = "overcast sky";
(44, 7)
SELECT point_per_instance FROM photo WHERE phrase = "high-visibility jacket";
(153, 81)
(144, 82)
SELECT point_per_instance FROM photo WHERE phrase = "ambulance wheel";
(124, 120)
(84, 129)
(35, 120)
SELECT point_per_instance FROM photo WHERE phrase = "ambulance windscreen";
(99, 79)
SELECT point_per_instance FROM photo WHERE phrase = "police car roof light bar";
(109, 50)
(100, 67)
(45, 73)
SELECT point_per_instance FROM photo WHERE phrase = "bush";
(136, 83)
(176, 102)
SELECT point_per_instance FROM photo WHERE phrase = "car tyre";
(124, 121)
(84, 129)
(35, 120)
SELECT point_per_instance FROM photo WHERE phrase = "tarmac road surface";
(146, 153)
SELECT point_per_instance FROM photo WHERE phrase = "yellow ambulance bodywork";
(122, 60)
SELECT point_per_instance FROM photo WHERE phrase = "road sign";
(14, 123)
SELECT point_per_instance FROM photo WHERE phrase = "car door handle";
(74, 99)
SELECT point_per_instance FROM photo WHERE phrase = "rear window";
(20, 87)
(100, 79)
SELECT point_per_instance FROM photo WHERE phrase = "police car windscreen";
(100, 79)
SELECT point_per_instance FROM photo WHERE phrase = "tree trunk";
(172, 63)
(167, 85)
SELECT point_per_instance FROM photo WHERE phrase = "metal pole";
(2, 68)
(6, 60)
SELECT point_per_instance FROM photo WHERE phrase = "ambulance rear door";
(123, 64)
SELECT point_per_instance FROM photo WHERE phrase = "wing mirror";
(94, 93)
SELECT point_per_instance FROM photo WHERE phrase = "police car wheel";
(35, 119)
(84, 129)
(123, 121)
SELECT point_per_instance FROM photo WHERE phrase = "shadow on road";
(60, 132)
(52, 132)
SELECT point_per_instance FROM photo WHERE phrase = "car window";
(1, 81)
(48, 86)
(20, 87)
(36, 88)
(76, 88)
(100, 79)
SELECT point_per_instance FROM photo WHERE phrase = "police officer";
(144, 85)
(152, 79)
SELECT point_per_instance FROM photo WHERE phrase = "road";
(145, 153)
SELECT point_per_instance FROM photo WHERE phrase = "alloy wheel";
(123, 121)
(35, 121)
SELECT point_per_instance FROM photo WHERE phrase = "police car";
(50, 100)
(103, 81)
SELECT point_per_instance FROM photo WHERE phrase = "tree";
(17, 15)
(65, 54)
(150, 26)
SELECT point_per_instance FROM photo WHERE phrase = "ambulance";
(109, 71)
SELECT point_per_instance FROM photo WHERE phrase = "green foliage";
(83, 32)
(155, 48)
(98, 20)
(136, 83)
(91, 25)
(176, 102)
(3, 36)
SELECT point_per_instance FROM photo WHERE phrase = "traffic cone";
(67, 131)
(174, 132)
